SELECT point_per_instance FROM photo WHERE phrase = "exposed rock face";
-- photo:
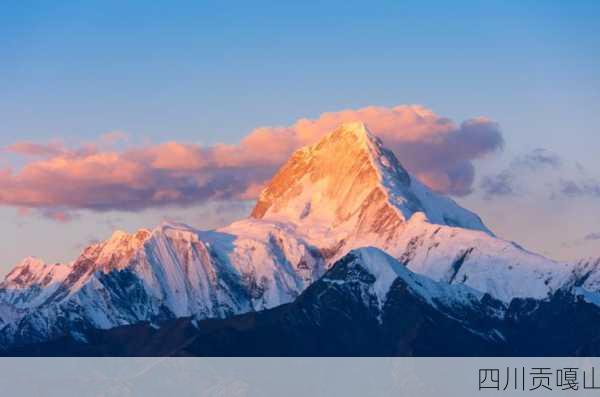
(345, 192)
(348, 191)
(348, 182)
(367, 304)
(173, 271)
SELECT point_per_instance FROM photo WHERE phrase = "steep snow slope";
(586, 274)
(348, 191)
(458, 256)
(386, 270)
(345, 192)
(32, 282)
(153, 276)
(348, 183)
(366, 304)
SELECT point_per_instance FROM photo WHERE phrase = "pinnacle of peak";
(121, 234)
(349, 133)
(120, 240)
(341, 171)
(350, 180)
(31, 261)
(345, 137)
(141, 233)
(176, 230)
(118, 234)
(357, 128)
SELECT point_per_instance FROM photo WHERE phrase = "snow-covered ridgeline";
(343, 193)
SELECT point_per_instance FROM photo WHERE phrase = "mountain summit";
(343, 193)
(348, 181)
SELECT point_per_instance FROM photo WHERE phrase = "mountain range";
(345, 253)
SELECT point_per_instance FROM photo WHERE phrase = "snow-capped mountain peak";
(115, 252)
(345, 192)
(32, 271)
(349, 184)
(385, 271)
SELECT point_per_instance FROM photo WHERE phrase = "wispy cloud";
(54, 214)
(32, 149)
(501, 184)
(57, 180)
(580, 188)
(537, 159)
(514, 180)
(588, 239)
(592, 236)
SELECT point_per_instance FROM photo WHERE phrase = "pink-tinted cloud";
(54, 214)
(436, 149)
(32, 149)
(58, 215)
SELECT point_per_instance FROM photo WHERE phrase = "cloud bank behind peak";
(437, 150)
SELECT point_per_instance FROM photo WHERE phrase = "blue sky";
(210, 72)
